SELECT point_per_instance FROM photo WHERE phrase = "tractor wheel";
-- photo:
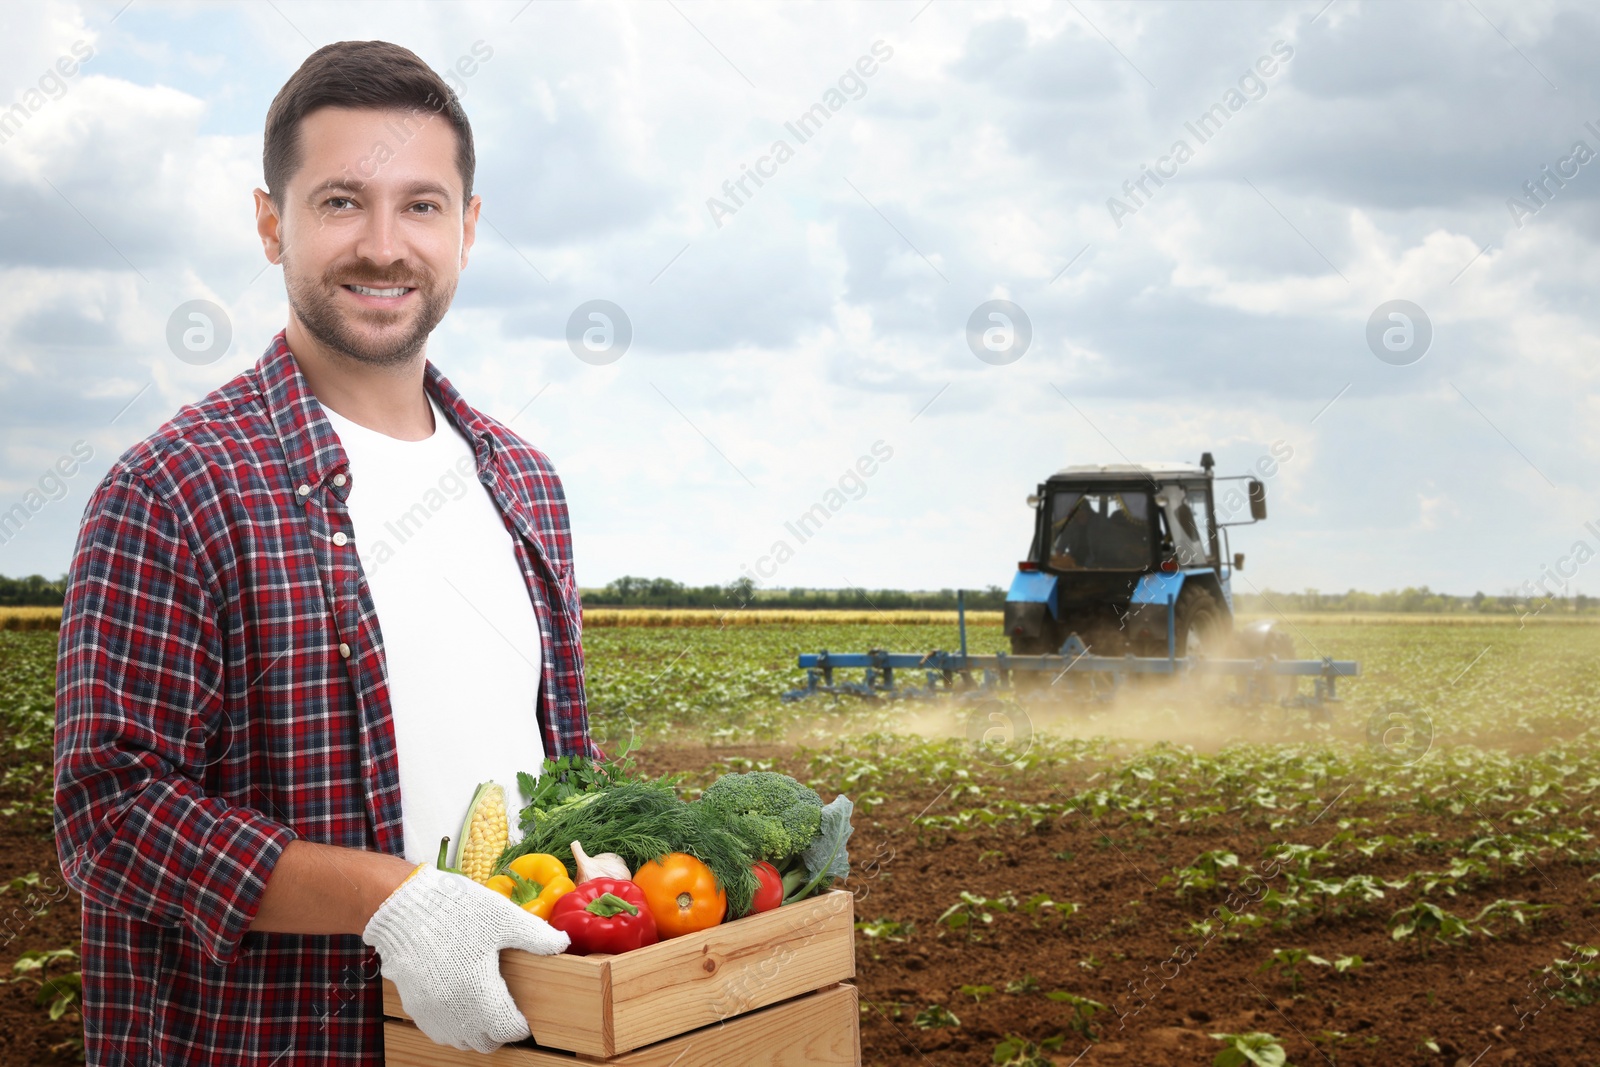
(1202, 623)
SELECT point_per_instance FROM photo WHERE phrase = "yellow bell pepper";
(533, 882)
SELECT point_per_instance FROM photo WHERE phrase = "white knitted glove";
(439, 936)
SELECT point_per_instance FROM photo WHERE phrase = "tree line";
(34, 591)
(635, 592)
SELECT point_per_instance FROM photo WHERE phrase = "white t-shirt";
(460, 639)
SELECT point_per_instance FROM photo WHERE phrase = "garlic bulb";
(605, 865)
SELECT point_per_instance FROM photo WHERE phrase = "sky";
(1354, 243)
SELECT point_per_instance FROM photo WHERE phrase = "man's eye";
(337, 200)
(433, 209)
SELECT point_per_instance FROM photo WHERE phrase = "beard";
(374, 336)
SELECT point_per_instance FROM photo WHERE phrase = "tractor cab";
(1111, 543)
(1097, 519)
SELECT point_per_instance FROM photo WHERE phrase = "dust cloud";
(1201, 714)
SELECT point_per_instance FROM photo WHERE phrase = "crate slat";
(605, 1005)
(818, 1029)
(731, 969)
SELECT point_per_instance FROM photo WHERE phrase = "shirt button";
(339, 538)
(338, 479)
(304, 490)
(344, 650)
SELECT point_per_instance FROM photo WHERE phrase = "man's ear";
(269, 226)
(469, 227)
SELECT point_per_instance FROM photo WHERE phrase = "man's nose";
(380, 240)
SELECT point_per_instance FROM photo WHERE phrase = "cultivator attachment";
(1070, 673)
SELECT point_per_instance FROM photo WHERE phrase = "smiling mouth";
(367, 290)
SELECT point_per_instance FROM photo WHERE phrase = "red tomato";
(770, 895)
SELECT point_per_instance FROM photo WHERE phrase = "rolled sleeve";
(140, 717)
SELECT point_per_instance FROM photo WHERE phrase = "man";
(252, 773)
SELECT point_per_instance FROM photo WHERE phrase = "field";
(13, 618)
(1117, 883)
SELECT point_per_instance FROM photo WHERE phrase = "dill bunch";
(642, 821)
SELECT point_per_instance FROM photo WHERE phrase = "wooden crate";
(764, 986)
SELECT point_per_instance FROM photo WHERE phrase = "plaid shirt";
(221, 691)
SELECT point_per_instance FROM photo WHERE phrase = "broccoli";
(777, 816)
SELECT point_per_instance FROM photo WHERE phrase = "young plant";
(1287, 962)
(1519, 910)
(1257, 1048)
(1287, 902)
(967, 913)
(1361, 888)
(976, 992)
(935, 1017)
(1023, 986)
(1083, 1011)
(1015, 1051)
(889, 1009)
(1247, 920)
(1304, 857)
(1039, 903)
(61, 994)
(1066, 910)
(1203, 874)
(1428, 922)
(884, 929)
(1328, 1042)
(1579, 975)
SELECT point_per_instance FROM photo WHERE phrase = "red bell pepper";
(770, 895)
(605, 915)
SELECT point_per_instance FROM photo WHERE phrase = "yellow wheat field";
(29, 618)
(1403, 618)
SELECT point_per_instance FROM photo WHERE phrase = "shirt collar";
(310, 444)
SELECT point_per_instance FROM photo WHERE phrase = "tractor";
(1128, 577)
(1113, 545)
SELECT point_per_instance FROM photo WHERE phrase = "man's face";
(375, 205)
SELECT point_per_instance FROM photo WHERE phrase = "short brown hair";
(358, 74)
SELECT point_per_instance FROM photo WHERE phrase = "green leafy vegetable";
(777, 815)
(565, 779)
(827, 858)
(642, 821)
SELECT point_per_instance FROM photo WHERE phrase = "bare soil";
(27, 845)
(1164, 989)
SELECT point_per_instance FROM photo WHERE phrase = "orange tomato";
(681, 893)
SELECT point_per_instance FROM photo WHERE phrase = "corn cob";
(484, 834)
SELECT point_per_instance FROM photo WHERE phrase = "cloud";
(1227, 312)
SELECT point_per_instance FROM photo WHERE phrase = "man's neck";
(389, 400)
